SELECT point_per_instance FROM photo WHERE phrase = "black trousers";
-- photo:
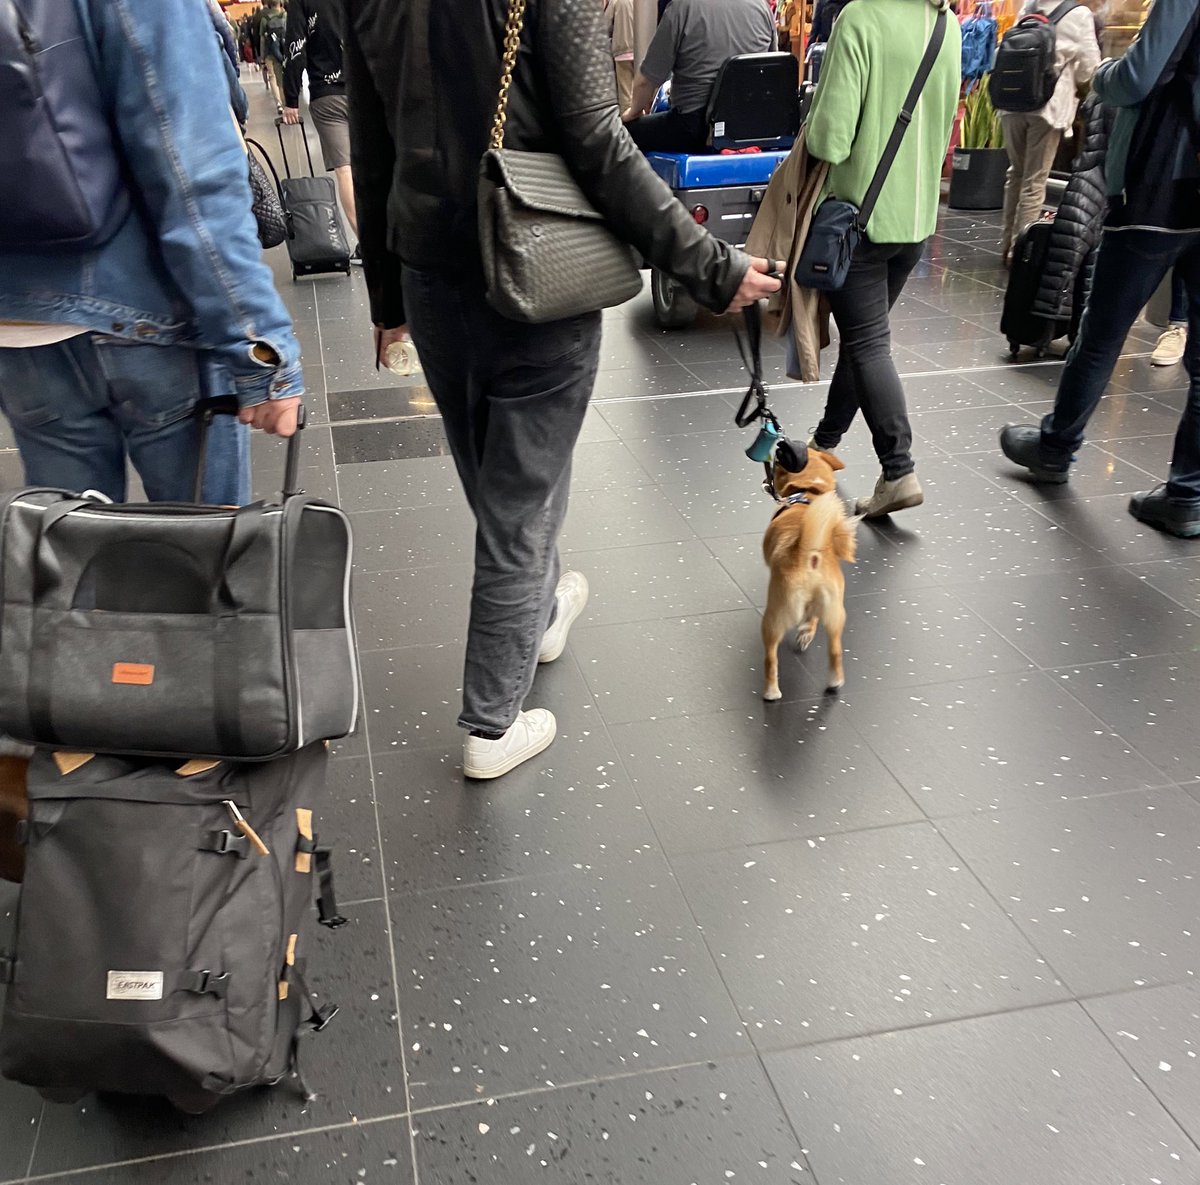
(670, 131)
(866, 376)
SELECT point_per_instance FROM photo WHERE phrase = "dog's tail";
(826, 527)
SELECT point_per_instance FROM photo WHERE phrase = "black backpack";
(60, 174)
(275, 35)
(1026, 69)
(160, 941)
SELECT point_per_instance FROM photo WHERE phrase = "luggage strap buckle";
(226, 843)
(206, 983)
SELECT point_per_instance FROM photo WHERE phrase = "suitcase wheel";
(1014, 348)
(197, 1102)
(1041, 351)
(61, 1094)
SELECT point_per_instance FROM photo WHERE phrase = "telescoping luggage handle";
(226, 405)
(287, 169)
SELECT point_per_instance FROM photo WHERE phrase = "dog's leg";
(835, 623)
(806, 632)
(774, 628)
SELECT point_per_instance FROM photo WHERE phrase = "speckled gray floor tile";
(718, 1122)
(843, 935)
(556, 979)
(1103, 887)
(1037, 1096)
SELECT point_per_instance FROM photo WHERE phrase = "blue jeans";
(512, 399)
(82, 408)
(1179, 301)
(1130, 265)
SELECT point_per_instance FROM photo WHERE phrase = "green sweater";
(871, 61)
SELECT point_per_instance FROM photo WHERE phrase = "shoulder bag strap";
(903, 120)
(512, 44)
(1061, 11)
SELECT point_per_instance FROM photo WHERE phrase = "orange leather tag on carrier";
(133, 674)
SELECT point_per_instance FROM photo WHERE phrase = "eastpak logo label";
(135, 985)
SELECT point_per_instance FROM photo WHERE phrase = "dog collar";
(792, 500)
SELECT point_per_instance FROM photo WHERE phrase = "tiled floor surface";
(943, 928)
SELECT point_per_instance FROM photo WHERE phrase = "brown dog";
(14, 807)
(808, 540)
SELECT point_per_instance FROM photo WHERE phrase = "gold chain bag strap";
(547, 252)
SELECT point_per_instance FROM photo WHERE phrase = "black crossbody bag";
(838, 226)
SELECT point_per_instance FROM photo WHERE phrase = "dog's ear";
(831, 459)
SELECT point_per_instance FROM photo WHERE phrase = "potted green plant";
(980, 162)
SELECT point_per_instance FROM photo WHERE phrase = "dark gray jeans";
(512, 399)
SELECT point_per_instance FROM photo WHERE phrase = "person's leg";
(446, 341)
(331, 117)
(1129, 267)
(842, 401)
(1172, 344)
(1183, 485)
(345, 185)
(625, 74)
(1041, 147)
(64, 427)
(1015, 128)
(537, 385)
(153, 391)
(669, 131)
(860, 309)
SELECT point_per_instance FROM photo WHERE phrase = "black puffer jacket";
(423, 78)
(1079, 221)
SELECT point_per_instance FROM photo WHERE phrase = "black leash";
(754, 404)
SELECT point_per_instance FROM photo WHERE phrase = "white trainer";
(531, 733)
(1171, 347)
(572, 597)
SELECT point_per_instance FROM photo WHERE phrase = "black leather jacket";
(423, 78)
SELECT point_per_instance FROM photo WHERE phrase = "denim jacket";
(186, 265)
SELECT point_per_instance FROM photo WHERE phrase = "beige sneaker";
(530, 734)
(1171, 347)
(902, 494)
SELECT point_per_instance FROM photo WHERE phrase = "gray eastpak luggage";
(159, 944)
(176, 630)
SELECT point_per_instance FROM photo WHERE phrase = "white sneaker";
(1171, 347)
(530, 734)
(572, 597)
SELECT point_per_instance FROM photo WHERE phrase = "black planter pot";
(977, 179)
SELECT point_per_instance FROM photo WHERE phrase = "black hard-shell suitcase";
(316, 240)
(1018, 322)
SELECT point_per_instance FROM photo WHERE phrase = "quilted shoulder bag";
(547, 253)
(264, 190)
(838, 226)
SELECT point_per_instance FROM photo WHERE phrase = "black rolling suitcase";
(162, 935)
(316, 241)
(1018, 322)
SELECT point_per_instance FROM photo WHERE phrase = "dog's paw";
(772, 695)
(834, 688)
(804, 639)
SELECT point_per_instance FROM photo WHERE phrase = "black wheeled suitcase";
(1018, 322)
(316, 240)
(162, 928)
